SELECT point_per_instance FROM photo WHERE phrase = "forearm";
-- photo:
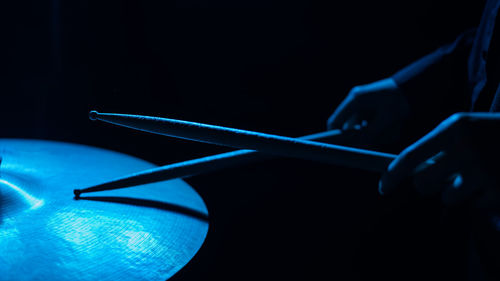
(436, 84)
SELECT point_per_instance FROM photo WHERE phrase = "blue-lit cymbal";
(146, 233)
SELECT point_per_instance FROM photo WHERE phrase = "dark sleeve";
(485, 236)
(436, 85)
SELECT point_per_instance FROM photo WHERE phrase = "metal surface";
(45, 234)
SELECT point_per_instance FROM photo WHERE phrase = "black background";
(273, 66)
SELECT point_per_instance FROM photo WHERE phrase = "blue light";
(34, 202)
(458, 181)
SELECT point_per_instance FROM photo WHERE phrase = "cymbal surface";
(145, 233)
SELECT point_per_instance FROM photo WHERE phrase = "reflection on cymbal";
(32, 201)
(122, 235)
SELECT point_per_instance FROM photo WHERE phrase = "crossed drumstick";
(254, 146)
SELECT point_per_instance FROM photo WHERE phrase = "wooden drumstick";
(210, 163)
(267, 143)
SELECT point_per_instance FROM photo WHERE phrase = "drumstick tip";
(93, 115)
(77, 193)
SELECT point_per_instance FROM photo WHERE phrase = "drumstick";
(267, 143)
(210, 163)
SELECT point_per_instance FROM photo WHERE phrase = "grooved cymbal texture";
(148, 232)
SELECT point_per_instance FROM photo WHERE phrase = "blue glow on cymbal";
(67, 239)
(34, 202)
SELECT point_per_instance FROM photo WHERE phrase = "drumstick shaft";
(210, 163)
(267, 143)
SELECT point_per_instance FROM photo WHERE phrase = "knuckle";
(457, 123)
(458, 118)
(356, 89)
(460, 123)
(406, 154)
(355, 92)
(330, 123)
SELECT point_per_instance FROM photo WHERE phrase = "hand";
(379, 109)
(464, 149)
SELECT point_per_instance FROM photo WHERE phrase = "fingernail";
(380, 190)
(457, 181)
(391, 166)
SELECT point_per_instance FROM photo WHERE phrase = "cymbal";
(146, 233)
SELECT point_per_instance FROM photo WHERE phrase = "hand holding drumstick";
(462, 146)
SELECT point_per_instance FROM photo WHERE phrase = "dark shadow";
(150, 204)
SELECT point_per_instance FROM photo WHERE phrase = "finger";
(417, 153)
(383, 128)
(487, 197)
(462, 187)
(347, 108)
(470, 180)
(435, 175)
(352, 123)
